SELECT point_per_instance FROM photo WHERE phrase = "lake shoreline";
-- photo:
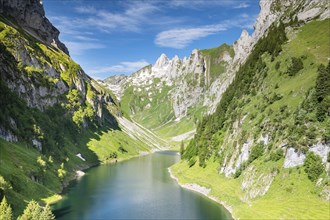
(202, 190)
(82, 172)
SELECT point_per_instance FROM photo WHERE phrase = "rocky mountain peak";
(270, 12)
(30, 16)
(242, 46)
(161, 61)
(176, 59)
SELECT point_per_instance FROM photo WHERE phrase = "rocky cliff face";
(30, 15)
(275, 10)
(37, 68)
(43, 77)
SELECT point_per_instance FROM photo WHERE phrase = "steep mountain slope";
(175, 93)
(54, 119)
(265, 151)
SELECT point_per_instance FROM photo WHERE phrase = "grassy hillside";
(217, 66)
(281, 92)
(155, 111)
(291, 195)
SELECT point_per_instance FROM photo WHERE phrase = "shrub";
(322, 91)
(256, 151)
(113, 155)
(61, 173)
(296, 66)
(241, 168)
(192, 161)
(278, 65)
(276, 155)
(202, 159)
(313, 166)
(181, 148)
(122, 149)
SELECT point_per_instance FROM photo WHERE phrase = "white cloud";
(244, 15)
(180, 38)
(131, 19)
(85, 38)
(198, 4)
(124, 67)
(86, 9)
(242, 5)
(79, 47)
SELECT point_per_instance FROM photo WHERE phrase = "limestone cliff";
(30, 16)
(274, 10)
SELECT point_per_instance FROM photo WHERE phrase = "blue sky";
(108, 37)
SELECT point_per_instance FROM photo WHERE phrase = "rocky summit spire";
(161, 61)
(30, 16)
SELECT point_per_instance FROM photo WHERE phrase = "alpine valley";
(251, 120)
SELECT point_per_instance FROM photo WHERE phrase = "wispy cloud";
(130, 19)
(78, 48)
(86, 9)
(135, 17)
(242, 5)
(180, 38)
(85, 38)
(124, 67)
(198, 4)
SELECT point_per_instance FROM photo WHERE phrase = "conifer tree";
(31, 212)
(5, 210)
(182, 148)
(47, 214)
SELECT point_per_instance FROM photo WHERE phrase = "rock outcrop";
(274, 10)
(30, 16)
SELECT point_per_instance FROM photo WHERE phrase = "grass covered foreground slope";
(54, 120)
(265, 151)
